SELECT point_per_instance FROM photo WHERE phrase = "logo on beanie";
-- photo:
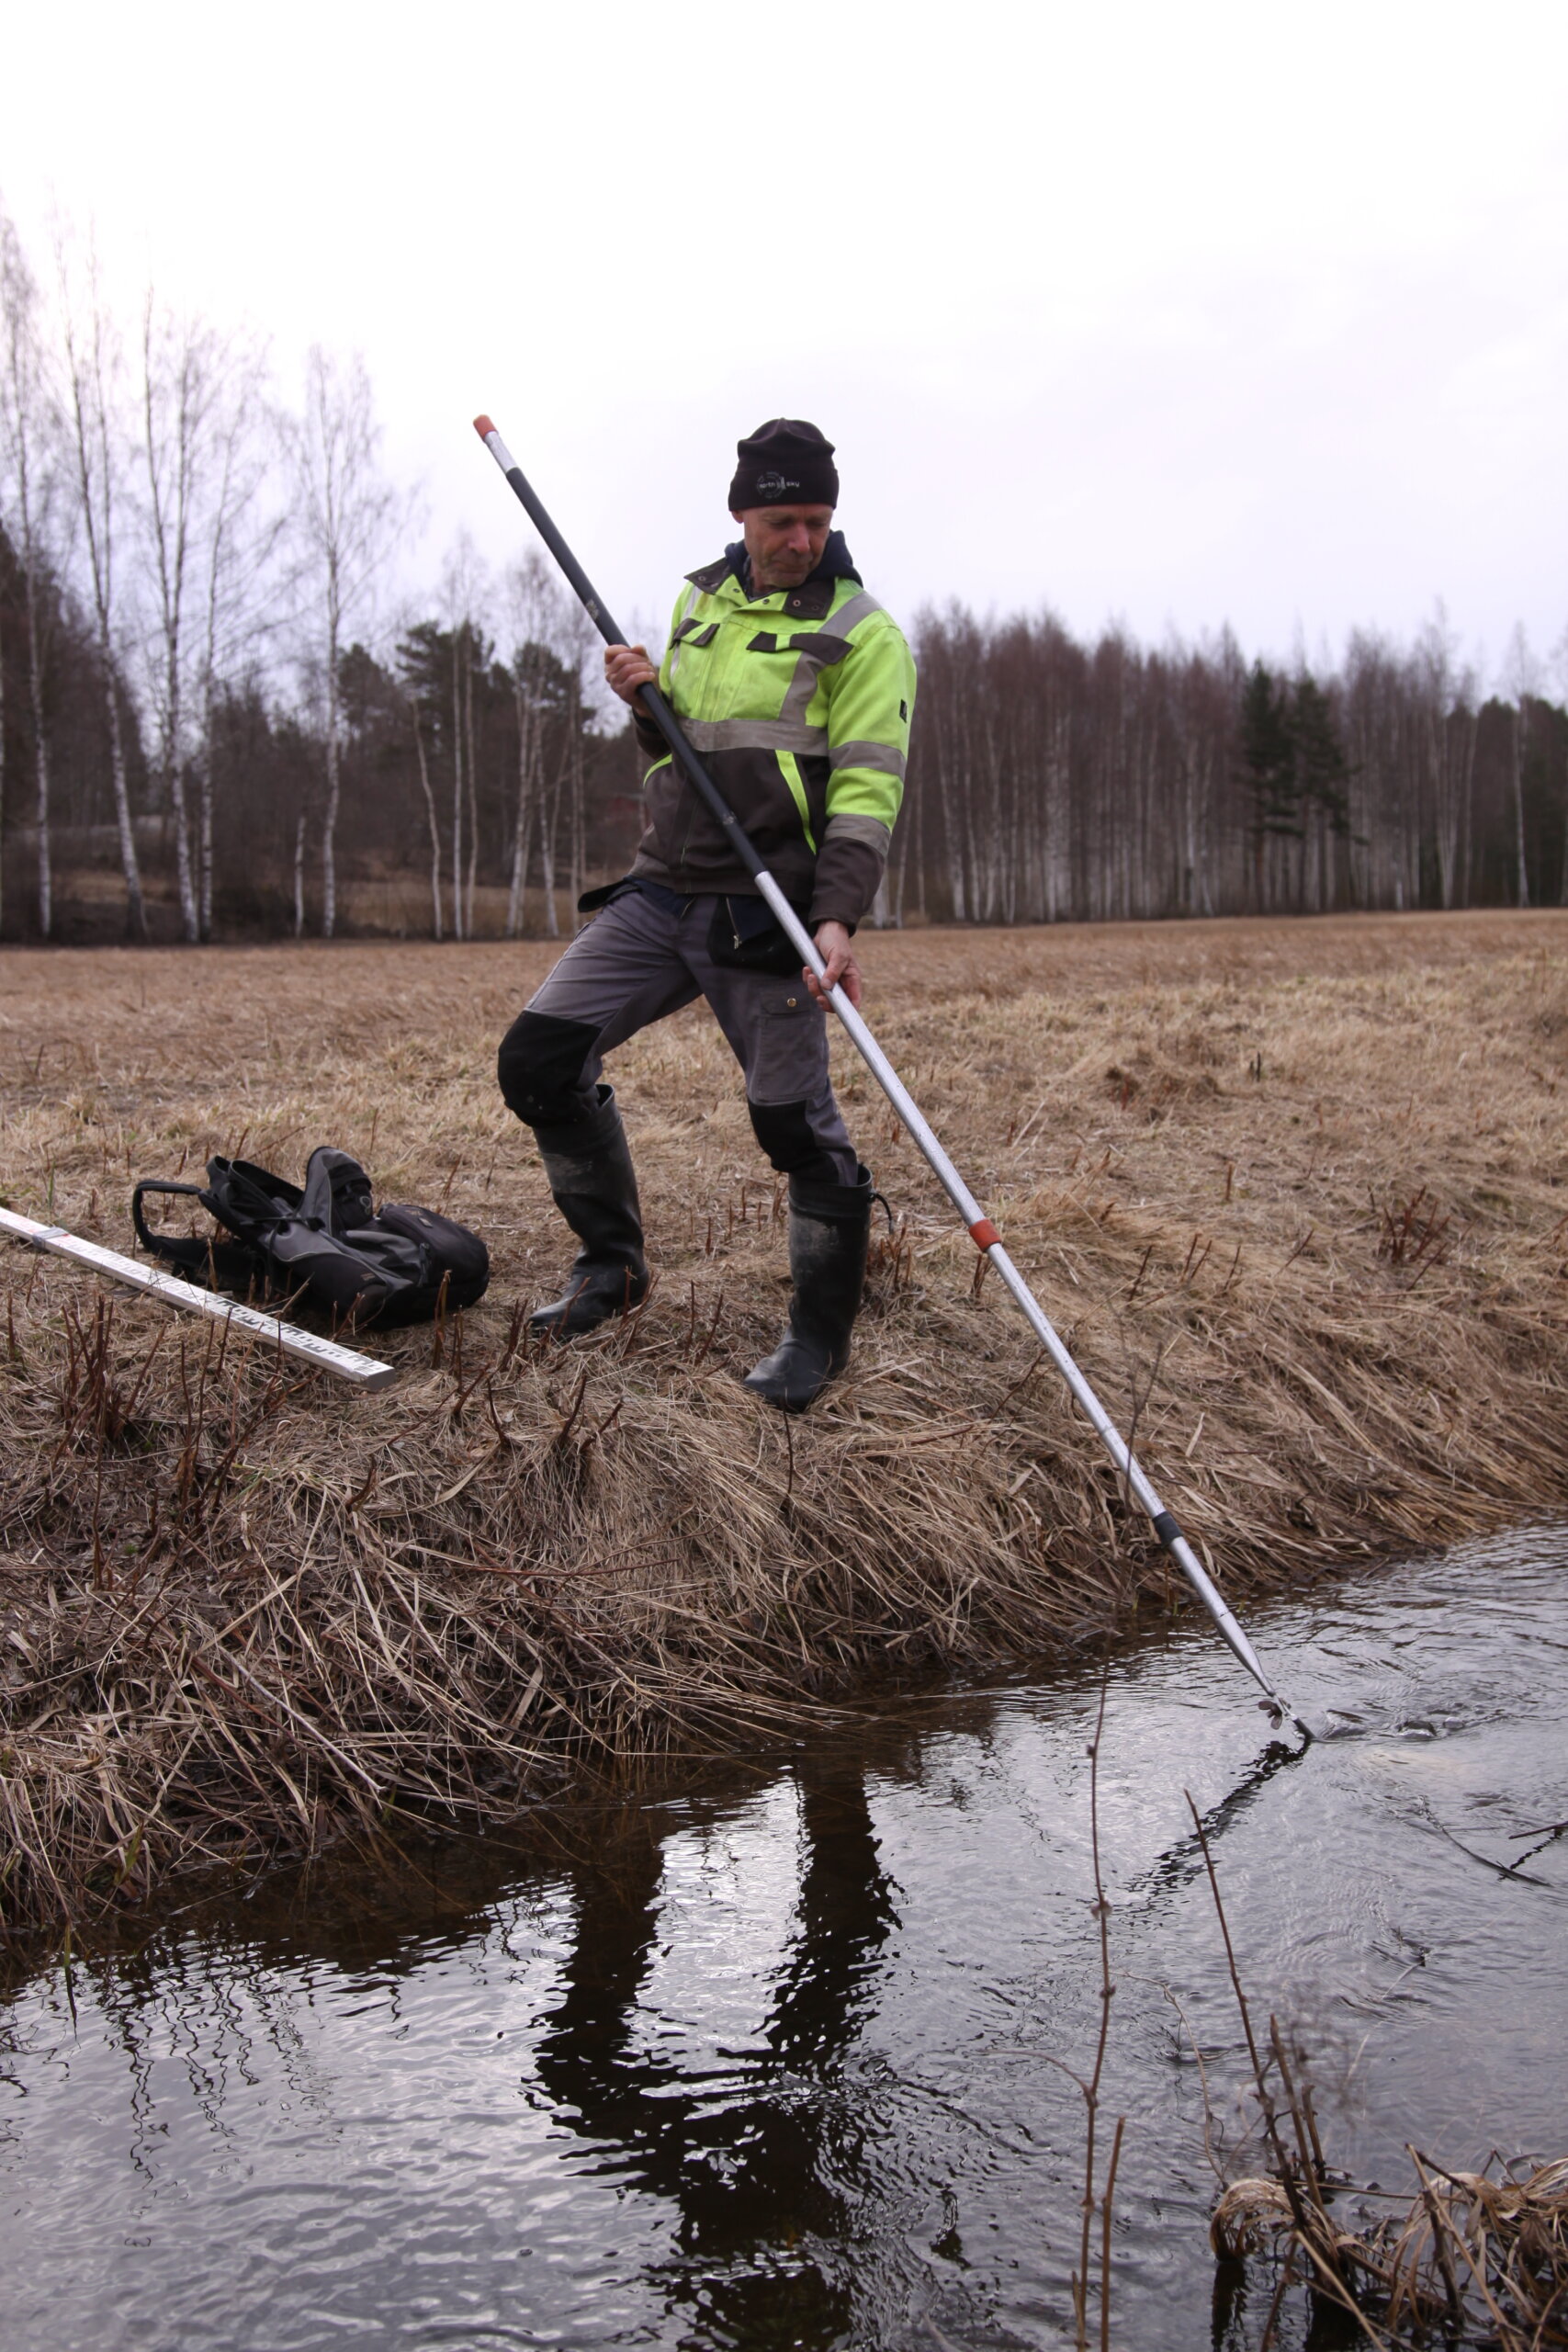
(772, 485)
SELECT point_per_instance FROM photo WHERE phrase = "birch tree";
(464, 589)
(239, 541)
(1521, 679)
(412, 701)
(28, 450)
(345, 515)
(100, 445)
(183, 362)
(578, 642)
(420, 661)
(1446, 692)
(531, 603)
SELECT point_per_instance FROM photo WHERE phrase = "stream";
(782, 2054)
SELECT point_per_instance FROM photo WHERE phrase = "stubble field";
(1293, 1192)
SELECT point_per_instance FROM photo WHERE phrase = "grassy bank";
(1293, 1192)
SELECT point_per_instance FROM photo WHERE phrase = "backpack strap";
(179, 1250)
(219, 1265)
(251, 1201)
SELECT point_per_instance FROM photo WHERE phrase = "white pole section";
(365, 1373)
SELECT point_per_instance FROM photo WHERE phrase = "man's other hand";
(628, 667)
(837, 951)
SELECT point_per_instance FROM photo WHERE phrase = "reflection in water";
(778, 2058)
(1183, 1859)
(761, 2168)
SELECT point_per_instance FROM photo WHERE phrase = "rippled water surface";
(779, 2059)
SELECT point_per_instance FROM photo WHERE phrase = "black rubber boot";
(830, 1227)
(591, 1176)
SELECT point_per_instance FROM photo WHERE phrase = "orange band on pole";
(983, 1234)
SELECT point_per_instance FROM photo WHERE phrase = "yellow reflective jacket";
(799, 703)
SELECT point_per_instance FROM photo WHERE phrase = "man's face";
(784, 543)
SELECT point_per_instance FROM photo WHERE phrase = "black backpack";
(324, 1245)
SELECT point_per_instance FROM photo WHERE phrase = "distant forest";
(213, 725)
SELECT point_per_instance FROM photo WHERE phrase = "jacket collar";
(814, 597)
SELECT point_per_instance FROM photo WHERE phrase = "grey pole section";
(982, 1232)
(365, 1373)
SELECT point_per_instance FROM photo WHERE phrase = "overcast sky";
(1179, 314)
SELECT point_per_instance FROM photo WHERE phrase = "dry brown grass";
(1468, 2258)
(1291, 1190)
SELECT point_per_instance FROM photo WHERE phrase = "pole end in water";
(1281, 1714)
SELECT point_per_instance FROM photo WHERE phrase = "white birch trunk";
(171, 415)
(26, 416)
(335, 766)
(204, 832)
(456, 794)
(40, 761)
(125, 824)
(473, 764)
(527, 759)
(328, 832)
(1516, 765)
(430, 819)
(97, 473)
(550, 818)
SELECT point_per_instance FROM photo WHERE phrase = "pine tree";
(1269, 767)
(1322, 770)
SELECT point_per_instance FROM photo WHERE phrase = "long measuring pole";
(365, 1373)
(982, 1232)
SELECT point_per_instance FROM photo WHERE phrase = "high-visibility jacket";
(799, 703)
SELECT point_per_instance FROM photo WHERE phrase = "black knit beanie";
(784, 463)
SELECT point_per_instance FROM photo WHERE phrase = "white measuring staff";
(366, 1373)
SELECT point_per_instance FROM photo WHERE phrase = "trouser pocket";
(745, 935)
(787, 1059)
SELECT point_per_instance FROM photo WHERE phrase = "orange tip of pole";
(483, 427)
(983, 1234)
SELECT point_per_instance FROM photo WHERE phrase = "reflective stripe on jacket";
(799, 703)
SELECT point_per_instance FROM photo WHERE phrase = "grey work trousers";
(644, 956)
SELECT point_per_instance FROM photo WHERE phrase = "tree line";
(215, 720)
(1055, 780)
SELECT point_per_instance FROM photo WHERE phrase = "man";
(796, 688)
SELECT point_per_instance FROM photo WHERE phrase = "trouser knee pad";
(783, 1131)
(539, 1068)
